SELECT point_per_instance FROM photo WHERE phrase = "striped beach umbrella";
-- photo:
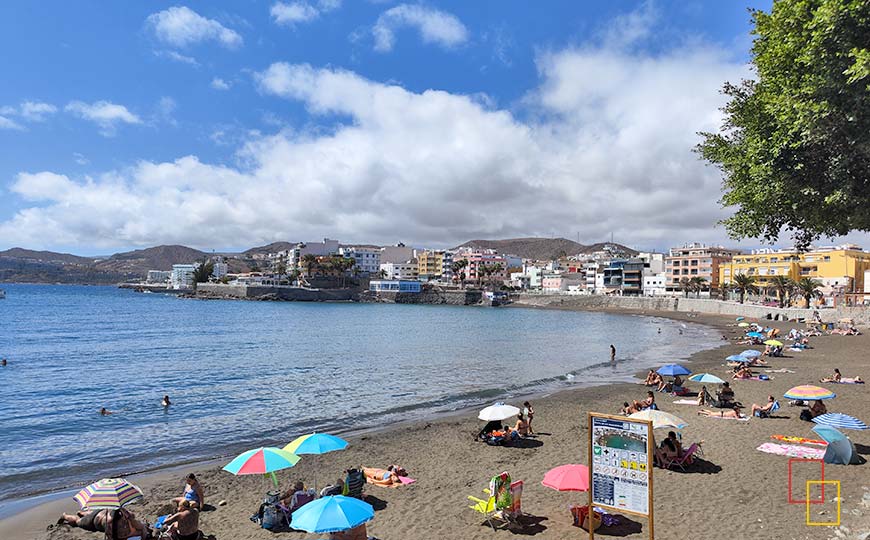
(261, 461)
(839, 420)
(808, 392)
(751, 353)
(316, 443)
(108, 493)
(708, 378)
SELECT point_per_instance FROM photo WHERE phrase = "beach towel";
(499, 487)
(759, 378)
(743, 418)
(845, 380)
(376, 476)
(686, 402)
(780, 370)
(792, 450)
(798, 440)
(407, 481)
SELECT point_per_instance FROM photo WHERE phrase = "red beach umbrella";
(570, 477)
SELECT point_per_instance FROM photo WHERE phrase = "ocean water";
(246, 374)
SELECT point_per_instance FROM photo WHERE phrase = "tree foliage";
(744, 283)
(795, 144)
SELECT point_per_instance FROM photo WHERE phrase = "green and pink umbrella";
(265, 460)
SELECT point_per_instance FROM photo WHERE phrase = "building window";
(694, 262)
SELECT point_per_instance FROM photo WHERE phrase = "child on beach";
(528, 414)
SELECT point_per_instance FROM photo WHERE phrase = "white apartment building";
(367, 259)
(182, 276)
(406, 270)
(220, 268)
(654, 284)
(318, 249)
(590, 270)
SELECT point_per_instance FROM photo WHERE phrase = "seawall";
(594, 302)
(290, 294)
(434, 296)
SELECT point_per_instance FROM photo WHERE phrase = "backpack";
(268, 516)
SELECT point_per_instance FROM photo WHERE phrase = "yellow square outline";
(823, 523)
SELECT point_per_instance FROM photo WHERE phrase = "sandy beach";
(734, 492)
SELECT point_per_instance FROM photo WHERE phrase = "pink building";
(477, 260)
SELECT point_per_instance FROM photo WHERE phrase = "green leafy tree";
(202, 272)
(808, 288)
(458, 274)
(685, 286)
(783, 286)
(794, 148)
(744, 283)
(697, 284)
(309, 263)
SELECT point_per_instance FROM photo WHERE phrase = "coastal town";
(827, 276)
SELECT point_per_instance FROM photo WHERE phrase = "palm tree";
(202, 272)
(685, 286)
(745, 284)
(309, 262)
(495, 268)
(457, 267)
(783, 285)
(809, 289)
(697, 284)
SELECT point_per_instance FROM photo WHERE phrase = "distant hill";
(540, 248)
(138, 262)
(274, 247)
(46, 256)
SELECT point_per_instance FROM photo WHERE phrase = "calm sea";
(241, 374)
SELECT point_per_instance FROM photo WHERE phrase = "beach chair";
(485, 507)
(353, 483)
(681, 462)
(766, 414)
(515, 510)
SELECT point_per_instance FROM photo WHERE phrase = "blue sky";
(227, 124)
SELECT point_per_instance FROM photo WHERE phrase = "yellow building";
(430, 262)
(839, 269)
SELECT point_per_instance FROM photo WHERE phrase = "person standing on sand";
(528, 414)
(612, 354)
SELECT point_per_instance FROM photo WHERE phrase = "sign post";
(621, 454)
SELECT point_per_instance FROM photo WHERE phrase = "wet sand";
(734, 492)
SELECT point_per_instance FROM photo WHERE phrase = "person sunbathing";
(652, 378)
(93, 521)
(185, 522)
(646, 403)
(743, 372)
(671, 446)
(334, 489)
(836, 377)
(816, 409)
(357, 533)
(121, 524)
(757, 410)
(384, 477)
(723, 413)
(726, 394)
(521, 428)
(628, 409)
(704, 397)
(193, 492)
(296, 496)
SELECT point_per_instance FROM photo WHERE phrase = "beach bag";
(268, 516)
(581, 518)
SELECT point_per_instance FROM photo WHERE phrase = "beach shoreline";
(396, 443)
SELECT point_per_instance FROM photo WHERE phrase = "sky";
(224, 125)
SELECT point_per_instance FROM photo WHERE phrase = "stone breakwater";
(433, 296)
(595, 302)
(277, 293)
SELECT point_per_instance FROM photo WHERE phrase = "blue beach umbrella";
(839, 420)
(758, 335)
(738, 319)
(316, 443)
(708, 378)
(751, 353)
(840, 449)
(672, 370)
(332, 514)
(738, 358)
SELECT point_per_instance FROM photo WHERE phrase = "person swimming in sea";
(105, 412)
(3, 362)
(166, 402)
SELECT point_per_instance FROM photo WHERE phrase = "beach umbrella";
(809, 392)
(738, 319)
(571, 477)
(757, 335)
(315, 443)
(738, 358)
(262, 461)
(706, 378)
(840, 449)
(839, 420)
(660, 419)
(332, 514)
(108, 493)
(672, 370)
(773, 343)
(751, 353)
(743, 324)
(498, 412)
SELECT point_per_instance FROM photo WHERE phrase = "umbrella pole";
(274, 479)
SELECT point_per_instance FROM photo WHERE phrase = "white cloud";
(177, 57)
(602, 145)
(105, 114)
(8, 123)
(80, 159)
(180, 26)
(163, 111)
(219, 84)
(292, 13)
(36, 111)
(435, 26)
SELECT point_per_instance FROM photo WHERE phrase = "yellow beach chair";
(485, 507)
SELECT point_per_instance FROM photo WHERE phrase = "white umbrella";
(498, 412)
(660, 419)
